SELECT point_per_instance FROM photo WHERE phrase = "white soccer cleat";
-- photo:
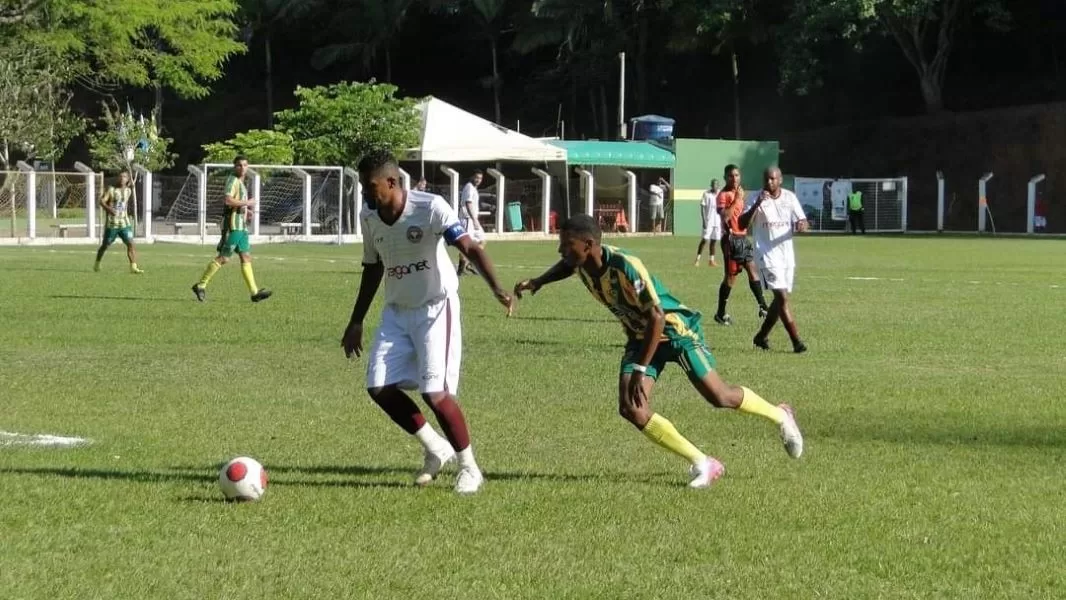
(790, 433)
(433, 463)
(704, 474)
(469, 481)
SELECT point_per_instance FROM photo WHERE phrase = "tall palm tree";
(369, 28)
(589, 34)
(261, 18)
(723, 25)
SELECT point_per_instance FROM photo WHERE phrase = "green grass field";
(931, 400)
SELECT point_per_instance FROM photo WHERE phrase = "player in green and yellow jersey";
(660, 329)
(115, 202)
(234, 235)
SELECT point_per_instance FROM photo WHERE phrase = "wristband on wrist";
(640, 369)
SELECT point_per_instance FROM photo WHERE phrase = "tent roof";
(450, 134)
(617, 154)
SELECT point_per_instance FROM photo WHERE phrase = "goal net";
(825, 202)
(61, 204)
(303, 202)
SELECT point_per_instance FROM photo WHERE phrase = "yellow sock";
(249, 278)
(755, 405)
(663, 433)
(209, 272)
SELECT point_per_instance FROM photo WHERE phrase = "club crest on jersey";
(414, 234)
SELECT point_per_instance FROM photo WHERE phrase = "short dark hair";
(582, 225)
(237, 159)
(377, 161)
(728, 168)
(476, 173)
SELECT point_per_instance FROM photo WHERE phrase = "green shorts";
(234, 240)
(113, 233)
(693, 356)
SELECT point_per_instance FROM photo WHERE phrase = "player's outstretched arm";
(558, 272)
(477, 255)
(369, 282)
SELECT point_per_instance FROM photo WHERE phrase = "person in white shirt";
(422, 184)
(469, 217)
(712, 223)
(774, 217)
(657, 204)
(419, 342)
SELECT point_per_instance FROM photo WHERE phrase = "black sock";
(756, 290)
(723, 297)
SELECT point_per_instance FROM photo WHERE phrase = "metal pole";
(621, 95)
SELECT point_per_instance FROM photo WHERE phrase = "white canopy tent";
(450, 134)
(453, 135)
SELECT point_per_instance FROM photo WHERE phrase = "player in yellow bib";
(234, 235)
(659, 330)
(115, 202)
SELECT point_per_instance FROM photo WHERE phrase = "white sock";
(430, 439)
(466, 459)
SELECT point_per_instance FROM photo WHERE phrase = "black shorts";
(739, 249)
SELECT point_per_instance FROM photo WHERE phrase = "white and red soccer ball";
(243, 479)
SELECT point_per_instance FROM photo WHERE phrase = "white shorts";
(658, 211)
(477, 235)
(418, 348)
(713, 229)
(777, 278)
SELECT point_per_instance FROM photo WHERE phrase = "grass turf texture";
(931, 403)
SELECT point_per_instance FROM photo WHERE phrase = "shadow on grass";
(290, 476)
(519, 317)
(125, 298)
(911, 433)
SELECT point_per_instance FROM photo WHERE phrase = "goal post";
(50, 206)
(825, 201)
(293, 203)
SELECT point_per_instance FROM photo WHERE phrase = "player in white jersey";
(470, 217)
(712, 223)
(418, 344)
(774, 216)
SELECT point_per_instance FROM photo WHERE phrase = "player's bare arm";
(235, 203)
(652, 334)
(369, 282)
(105, 203)
(745, 219)
(474, 222)
(477, 255)
(803, 226)
(558, 272)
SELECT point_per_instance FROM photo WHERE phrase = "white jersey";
(772, 226)
(469, 198)
(709, 205)
(658, 194)
(418, 270)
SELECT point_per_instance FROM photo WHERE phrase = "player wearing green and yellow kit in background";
(660, 329)
(234, 235)
(116, 202)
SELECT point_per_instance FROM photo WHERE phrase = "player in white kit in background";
(419, 342)
(470, 217)
(774, 216)
(712, 223)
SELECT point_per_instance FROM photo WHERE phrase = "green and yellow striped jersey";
(234, 217)
(629, 291)
(120, 202)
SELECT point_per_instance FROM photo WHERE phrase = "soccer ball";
(243, 479)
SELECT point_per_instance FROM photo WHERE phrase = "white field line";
(41, 440)
(354, 261)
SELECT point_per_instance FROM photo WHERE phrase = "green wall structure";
(699, 161)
